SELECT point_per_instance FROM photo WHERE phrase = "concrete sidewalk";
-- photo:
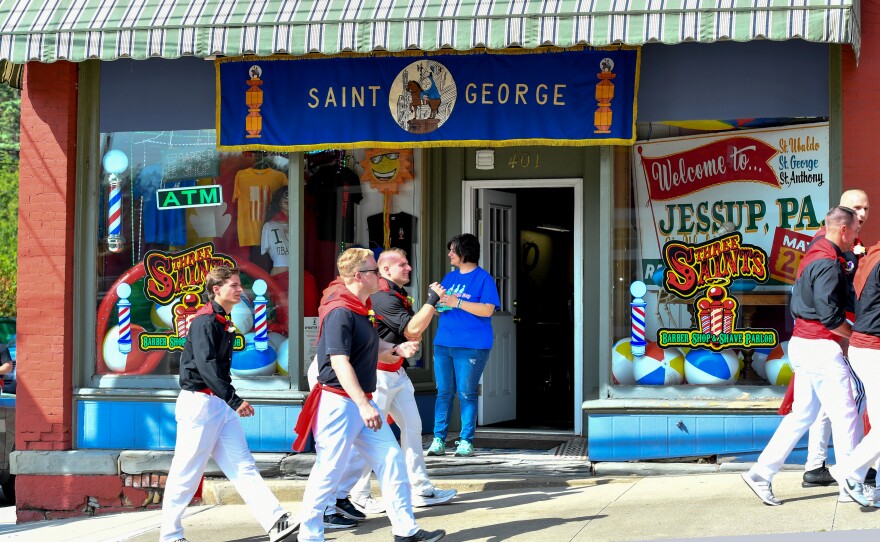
(689, 506)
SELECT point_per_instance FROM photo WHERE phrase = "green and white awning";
(76, 30)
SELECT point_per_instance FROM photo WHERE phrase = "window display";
(712, 229)
(175, 208)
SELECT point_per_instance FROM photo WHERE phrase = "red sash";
(391, 367)
(303, 426)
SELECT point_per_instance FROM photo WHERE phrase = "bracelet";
(459, 303)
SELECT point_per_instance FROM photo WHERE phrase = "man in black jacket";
(207, 424)
(818, 301)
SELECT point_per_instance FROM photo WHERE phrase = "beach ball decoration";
(659, 367)
(242, 317)
(135, 361)
(777, 367)
(253, 362)
(759, 361)
(162, 316)
(282, 360)
(705, 367)
(622, 363)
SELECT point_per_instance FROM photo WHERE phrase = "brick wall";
(861, 117)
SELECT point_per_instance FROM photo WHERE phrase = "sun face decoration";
(386, 170)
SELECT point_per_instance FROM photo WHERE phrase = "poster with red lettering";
(699, 188)
(786, 253)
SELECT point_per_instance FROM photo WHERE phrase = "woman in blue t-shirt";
(463, 341)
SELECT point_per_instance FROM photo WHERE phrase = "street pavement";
(708, 506)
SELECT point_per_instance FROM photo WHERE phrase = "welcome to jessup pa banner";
(573, 98)
(771, 185)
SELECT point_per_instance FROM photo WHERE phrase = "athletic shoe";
(368, 505)
(422, 536)
(465, 449)
(432, 497)
(283, 528)
(345, 508)
(818, 477)
(844, 497)
(438, 447)
(856, 490)
(338, 521)
(762, 488)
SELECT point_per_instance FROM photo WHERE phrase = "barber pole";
(123, 306)
(261, 331)
(638, 304)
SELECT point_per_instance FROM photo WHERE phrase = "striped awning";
(76, 30)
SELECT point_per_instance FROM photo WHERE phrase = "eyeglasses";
(370, 270)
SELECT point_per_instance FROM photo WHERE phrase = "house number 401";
(524, 160)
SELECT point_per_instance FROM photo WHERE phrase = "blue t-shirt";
(167, 226)
(459, 328)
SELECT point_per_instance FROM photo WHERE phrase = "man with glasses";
(348, 352)
(818, 302)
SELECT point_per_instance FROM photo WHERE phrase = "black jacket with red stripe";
(820, 292)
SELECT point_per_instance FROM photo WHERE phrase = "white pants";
(823, 380)
(338, 427)
(394, 395)
(206, 428)
(820, 431)
(866, 363)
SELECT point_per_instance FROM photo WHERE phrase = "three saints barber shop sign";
(573, 98)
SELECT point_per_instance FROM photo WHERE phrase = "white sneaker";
(368, 505)
(762, 488)
(283, 528)
(855, 490)
(433, 497)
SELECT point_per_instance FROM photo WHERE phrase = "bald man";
(815, 470)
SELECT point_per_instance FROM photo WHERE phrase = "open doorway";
(533, 378)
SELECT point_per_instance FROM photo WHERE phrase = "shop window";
(708, 233)
(171, 207)
(368, 198)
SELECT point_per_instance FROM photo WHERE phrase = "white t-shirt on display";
(275, 242)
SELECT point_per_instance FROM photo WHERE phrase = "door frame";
(468, 197)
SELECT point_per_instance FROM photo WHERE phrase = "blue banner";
(571, 98)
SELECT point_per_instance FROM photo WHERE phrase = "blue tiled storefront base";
(630, 437)
(142, 425)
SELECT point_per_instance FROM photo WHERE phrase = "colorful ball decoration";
(778, 367)
(282, 360)
(759, 361)
(706, 367)
(622, 363)
(161, 315)
(136, 361)
(253, 362)
(657, 276)
(243, 317)
(659, 367)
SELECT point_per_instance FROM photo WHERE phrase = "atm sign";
(193, 196)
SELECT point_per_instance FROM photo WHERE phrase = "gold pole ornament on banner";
(387, 170)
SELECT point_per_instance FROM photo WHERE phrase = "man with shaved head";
(818, 302)
(815, 470)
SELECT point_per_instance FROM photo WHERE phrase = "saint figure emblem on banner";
(422, 97)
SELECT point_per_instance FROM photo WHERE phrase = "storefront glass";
(171, 207)
(709, 230)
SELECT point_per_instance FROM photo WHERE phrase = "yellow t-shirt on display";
(253, 191)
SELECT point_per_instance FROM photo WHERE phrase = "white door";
(498, 245)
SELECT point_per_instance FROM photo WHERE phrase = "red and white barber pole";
(115, 163)
(123, 306)
(638, 304)
(261, 330)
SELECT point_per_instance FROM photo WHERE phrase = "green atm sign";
(193, 196)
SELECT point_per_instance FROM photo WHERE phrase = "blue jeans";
(457, 370)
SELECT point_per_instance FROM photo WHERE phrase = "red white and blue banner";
(571, 98)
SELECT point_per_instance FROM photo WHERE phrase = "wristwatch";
(394, 352)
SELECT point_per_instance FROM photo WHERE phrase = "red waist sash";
(303, 426)
(391, 367)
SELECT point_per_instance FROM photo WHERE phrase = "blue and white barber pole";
(261, 329)
(637, 342)
(123, 306)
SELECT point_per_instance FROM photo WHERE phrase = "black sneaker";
(345, 508)
(422, 536)
(338, 521)
(871, 477)
(818, 477)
